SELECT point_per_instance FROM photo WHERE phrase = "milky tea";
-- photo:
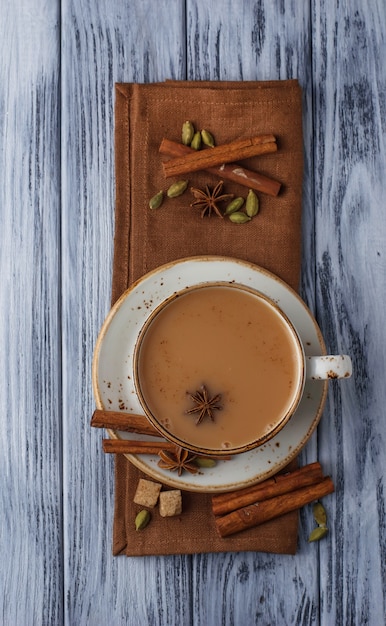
(235, 342)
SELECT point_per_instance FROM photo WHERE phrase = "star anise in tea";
(204, 405)
(179, 461)
(208, 199)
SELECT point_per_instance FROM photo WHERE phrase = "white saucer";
(113, 382)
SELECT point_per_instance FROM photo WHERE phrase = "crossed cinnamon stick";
(227, 171)
(226, 153)
(252, 506)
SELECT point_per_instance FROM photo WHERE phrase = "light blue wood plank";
(103, 43)
(30, 391)
(350, 165)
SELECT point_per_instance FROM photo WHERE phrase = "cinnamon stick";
(261, 512)
(226, 153)
(230, 171)
(128, 422)
(281, 483)
(130, 446)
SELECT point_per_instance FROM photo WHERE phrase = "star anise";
(204, 404)
(179, 461)
(207, 200)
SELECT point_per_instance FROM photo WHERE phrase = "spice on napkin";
(146, 239)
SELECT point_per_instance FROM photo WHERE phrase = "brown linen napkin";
(145, 239)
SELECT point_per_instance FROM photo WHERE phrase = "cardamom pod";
(142, 519)
(318, 533)
(156, 201)
(207, 138)
(177, 189)
(203, 461)
(187, 133)
(196, 141)
(320, 515)
(252, 204)
(239, 217)
(234, 205)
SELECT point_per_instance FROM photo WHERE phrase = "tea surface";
(236, 344)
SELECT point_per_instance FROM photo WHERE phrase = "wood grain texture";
(31, 571)
(351, 291)
(58, 66)
(103, 43)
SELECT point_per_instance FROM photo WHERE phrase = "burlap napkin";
(145, 239)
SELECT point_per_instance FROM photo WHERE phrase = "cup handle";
(328, 367)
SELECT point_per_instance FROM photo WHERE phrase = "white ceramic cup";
(322, 367)
(328, 367)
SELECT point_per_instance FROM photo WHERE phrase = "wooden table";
(58, 66)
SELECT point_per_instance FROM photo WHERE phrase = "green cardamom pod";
(187, 133)
(318, 533)
(203, 461)
(234, 205)
(239, 217)
(252, 204)
(207, 138)
(156, 201)
(177, 189)
(142, 519)
(320, 514)
(196, 141)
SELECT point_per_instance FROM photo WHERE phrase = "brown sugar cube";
(147, 493)
(170, 503)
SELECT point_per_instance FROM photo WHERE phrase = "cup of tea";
(220, 369)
